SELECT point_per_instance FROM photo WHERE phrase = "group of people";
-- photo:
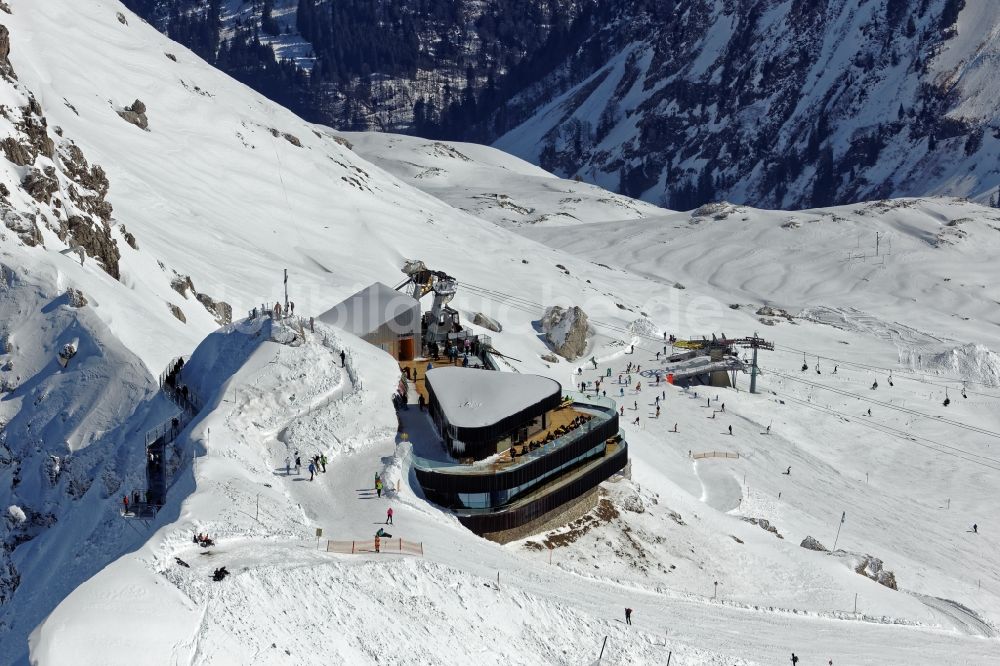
(173, 387)
(577, 421)
(453, 350)
(316, 464)
(203, 540)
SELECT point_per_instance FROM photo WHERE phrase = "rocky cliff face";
(776, 104)
(48, 183)
(383, 65)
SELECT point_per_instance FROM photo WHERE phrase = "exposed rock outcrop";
(87, 188)
(871, 567)
(23, 225)
(95, 239)
(75, 298)
(811, 543)
(6, 69)
(479, 319)
(222, 311)
(15, 152)
(182, 284)
(765, 525)
(41, 185)
(35, 129)
(177, 312)
(566, 331)
(136, 115)
(129, 238)
(342, 141)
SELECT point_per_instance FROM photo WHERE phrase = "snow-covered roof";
(474, 398)
(370, 308)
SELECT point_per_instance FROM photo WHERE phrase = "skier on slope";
(388, 516)
(628, 616)
(312, 471)
(322, 461)
(975, 528)
(288, 465)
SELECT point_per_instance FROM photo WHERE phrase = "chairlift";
(963, 392)
(805, 366)
(947, 400)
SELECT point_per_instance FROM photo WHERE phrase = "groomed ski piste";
(210, 192)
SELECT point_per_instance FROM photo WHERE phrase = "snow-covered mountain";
(197, 192)
(776, 103)
(770, 103)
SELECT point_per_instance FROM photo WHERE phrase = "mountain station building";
(519, 450)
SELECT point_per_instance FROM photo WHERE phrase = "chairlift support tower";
(754, 343)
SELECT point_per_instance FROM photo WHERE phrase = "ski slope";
(210, 192)
(466, 176)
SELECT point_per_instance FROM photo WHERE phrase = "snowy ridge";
(465, 176)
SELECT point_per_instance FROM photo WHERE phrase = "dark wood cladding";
(474, 438)
(441, 483)
(484, 523)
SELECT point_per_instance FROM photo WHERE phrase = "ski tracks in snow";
(963, 618)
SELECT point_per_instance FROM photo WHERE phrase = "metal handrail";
(488, 510)
(605, 405)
